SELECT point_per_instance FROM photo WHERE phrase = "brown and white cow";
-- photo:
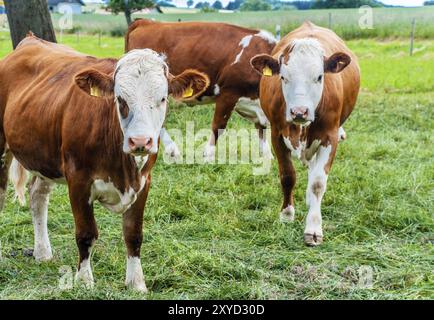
(221, 51)
(309, 89)
(93, 124)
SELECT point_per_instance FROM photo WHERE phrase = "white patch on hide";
(251, 110)
(267, 36)
(112, 198)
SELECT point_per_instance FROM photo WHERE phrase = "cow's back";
(347, 81)
(216, 49)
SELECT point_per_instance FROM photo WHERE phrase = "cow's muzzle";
(140, 145)
(299, 115)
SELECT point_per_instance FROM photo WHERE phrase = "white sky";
(182, 3)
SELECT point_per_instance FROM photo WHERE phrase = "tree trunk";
(29, 15)
(128, 15)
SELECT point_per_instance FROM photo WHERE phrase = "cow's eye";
(123, 108)
(319, 78)
(163, 100)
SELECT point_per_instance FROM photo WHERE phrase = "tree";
(206, 7)
(29, 15)
(217, 5)
(199, 5)
(128, 7)
(428, 3)
(190, 3)
(255, 5)
(326, 4)
(234, 5)
(302, 5)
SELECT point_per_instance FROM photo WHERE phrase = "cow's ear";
(337, 62)
(265, 65)
(188, 85)
(95, 83)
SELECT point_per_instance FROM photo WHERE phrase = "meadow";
(212, 231)
(387, 22)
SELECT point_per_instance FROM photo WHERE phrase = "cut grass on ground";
(212, 231)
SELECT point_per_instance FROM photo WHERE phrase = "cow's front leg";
(319, 167)
(86, 232)
(225, 103)
(287, 176)
(39, 197)
(133, 236)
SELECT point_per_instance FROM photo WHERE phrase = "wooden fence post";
(330, 20)
(278, 32)
(413, 27)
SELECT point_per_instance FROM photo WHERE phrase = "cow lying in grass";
(93, 124)
(309, 88)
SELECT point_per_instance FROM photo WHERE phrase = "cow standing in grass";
(310, 86)
(93, 124)
(221, 51)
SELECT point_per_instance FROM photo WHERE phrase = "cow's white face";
(141, 90)
(302, 80)
(140, 85)
(301, 69)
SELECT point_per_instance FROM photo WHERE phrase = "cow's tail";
(18, 176)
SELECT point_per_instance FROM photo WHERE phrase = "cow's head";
(140, 86)
(301, 68)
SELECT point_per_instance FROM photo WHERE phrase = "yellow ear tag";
(267, 71)
(188, 92)
(94, 91)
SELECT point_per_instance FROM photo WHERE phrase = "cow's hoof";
(209, 154)
(172, 151)
(42, 254)
(139, 287)
(287, 214)
(134, 279)
(312, 240)
(268, 155)
(84, 277)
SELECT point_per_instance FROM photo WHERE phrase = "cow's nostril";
(131, 143)
(148, 143)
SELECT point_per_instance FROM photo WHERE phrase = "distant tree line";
(327, 4)
(428, 3)
(264, 5)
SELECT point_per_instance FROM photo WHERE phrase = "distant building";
(76, 5)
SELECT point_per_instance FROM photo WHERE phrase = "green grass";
(387, 22)
(212, 231)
